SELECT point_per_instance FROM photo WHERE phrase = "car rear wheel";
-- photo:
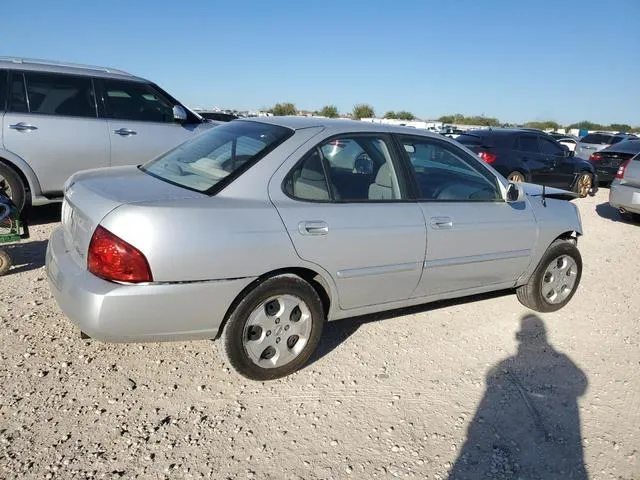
(274, 329)
(555, 280)
(516, 177)
(630, 217)
(11, 185)
(584, 184)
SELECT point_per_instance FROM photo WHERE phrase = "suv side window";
(136, 101)
(528, 143)
(444, 173)
(17, 94)
(351, 168)
(550, 148)
(3, 90)
(66, 95)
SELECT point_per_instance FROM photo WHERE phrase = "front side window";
(349, 168)
(136, 101)
(66, 95)
(528, 143)
(3, 90)
(444, 173)
(217, 156)
(550, 148)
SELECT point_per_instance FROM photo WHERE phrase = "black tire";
(5, 262)
(579, 184)
(232, 339)
(18, 193)
(530, 294)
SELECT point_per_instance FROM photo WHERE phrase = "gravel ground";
(440, 391)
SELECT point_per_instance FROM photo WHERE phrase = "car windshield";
(224, 151)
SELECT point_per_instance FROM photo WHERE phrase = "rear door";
(52, 124)
(140, 122)
(474, 238)
(344, 205)
(532, 159)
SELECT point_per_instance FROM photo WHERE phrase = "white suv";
(59, 118)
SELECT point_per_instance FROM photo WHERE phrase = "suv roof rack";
(53, 63)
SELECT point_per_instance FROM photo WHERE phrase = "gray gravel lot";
(386, 396)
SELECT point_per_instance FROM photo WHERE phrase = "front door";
(141, 123)
(562, 173)
(52, 124)
(532, 159)
(343, 207)
(474, 237)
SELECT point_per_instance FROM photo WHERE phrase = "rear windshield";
(471, 139)
(217, 156)
(601, 139)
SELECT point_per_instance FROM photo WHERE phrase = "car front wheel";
(584, 184)
(555, 280)
(274, 329)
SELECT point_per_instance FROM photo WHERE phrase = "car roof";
(52, 66)
(340, 125)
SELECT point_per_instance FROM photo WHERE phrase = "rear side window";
(17, 94)
(136, 101)
(528, 143)
(599, 139)
(64, 95)
(3, 90)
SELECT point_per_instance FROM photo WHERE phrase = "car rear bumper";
(625, 196)
(115, 312)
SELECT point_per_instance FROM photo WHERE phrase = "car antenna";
(544, 198)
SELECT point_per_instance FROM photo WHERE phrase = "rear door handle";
(313, 228)
(442, 223)
(125, 132)
(23, 127)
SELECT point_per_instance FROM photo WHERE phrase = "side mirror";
(179, 113)
(513, 193)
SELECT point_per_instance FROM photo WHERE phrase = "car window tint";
(597, 139)
(346, 169)
(65, 95)
(3, 90)
(445, 173)
(528, 143)
(550, 148)
(18, 96)
(136, 101)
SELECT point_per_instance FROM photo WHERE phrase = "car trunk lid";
(91, 195)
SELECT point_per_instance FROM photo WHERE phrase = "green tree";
(330, 111)
(391, 114)
(586, 125)
(282, 109)
(362, 110)
(404, 115)
(543, 125)
(620, 127)
(447, 119)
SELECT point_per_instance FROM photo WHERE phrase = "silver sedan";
(625, 189)
(259, 231)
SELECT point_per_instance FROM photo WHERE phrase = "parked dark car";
(218, 116)
(608, 160)
(527, 155)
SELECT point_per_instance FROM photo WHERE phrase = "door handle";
(23, 127)
(442, 223)
(125, 132)
(313, 228)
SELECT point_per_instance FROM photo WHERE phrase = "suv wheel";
(584, 184)
(11, 185)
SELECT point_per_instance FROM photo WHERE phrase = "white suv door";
(141, 122)
(52, 124)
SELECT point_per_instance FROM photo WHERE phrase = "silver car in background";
(624, 193)
(262, 230)
(58, 119)
(594, 142)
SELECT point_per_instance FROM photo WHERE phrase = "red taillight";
(595, 156)
(113, 259)
(487, 157)
(622, 169)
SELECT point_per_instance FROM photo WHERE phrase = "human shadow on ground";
(26, 255)
(527, 425)
(336, 332)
